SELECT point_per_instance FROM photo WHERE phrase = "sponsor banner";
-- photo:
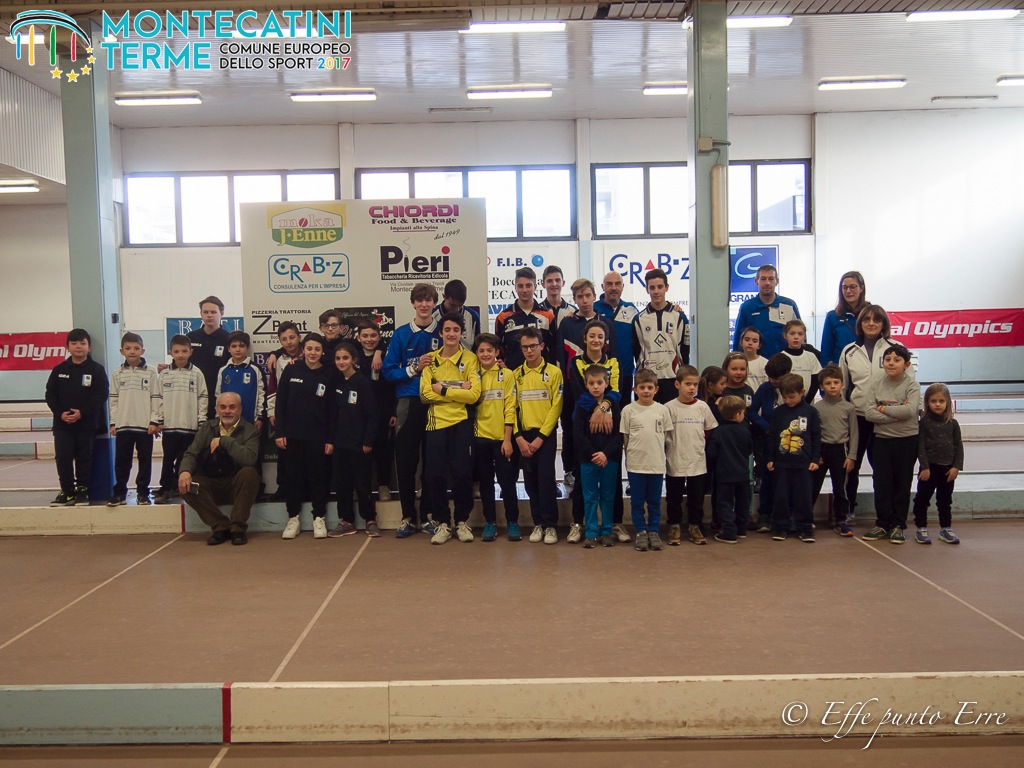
(360, 257)
(185, 325)
(39, 351)
(959, 328)
(503, 261)
(743, 264)
(634, 258)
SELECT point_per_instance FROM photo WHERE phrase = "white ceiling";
(597, 69)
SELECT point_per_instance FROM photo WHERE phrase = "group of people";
(472, 407)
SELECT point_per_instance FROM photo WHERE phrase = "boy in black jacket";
(730, 448)
(76, 393)
(599, 455)
(795, 449)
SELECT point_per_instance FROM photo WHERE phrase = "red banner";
(959, 328)
(32, 351)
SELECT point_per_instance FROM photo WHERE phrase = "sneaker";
(490, 532)
(441, 534)
(696, 536)
(82, 497)
(163, 497)
(218, 537)
(807, 537)
(143, 500)
(115, 501)
(607, 540)
(589, 543)
(764, 528)
(383, 493)
(569, 480)
(619, 532)
(405, 530)
(897, 537)
(429, 527)
(654, 541)
(947, 535)
(319, 528)
(343, 528)
(514, 534)
(843, 529)
(464, 532)
(675, 535)
(239, 539)
(724, 539)
(641, 544)
(875, 534)
(537, 534)
(372, 529)
(922, 537)
(575, 534)
(715, 526)
(64, 500)
(550, 536)
(291, 528)
(779, 536)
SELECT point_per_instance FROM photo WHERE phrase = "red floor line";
(225, 707)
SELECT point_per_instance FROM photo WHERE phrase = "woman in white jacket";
(861, 363)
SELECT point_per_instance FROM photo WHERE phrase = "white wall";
(36, 268)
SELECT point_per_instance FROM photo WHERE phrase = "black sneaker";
(81, 496)
(589, 543)
(238, 538)
(779, 536)
(807, 537)
(218, 537)
(63, 500)
(724, 539)
(115, 501)
(163, 497)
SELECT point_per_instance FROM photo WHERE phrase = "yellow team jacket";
(449, 409)
(497, 406)
(538, 398)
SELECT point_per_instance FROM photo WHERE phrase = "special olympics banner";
(361, 257)
(959, 328)
(32, 351)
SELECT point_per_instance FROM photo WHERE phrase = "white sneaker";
(537, 534)
(619, 531)
(291, 530)
(319, 528)
(465, 533)
(574, 534)
(550, 536)
(383, 493)
(442, 534)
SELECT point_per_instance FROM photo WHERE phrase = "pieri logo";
(61, 35)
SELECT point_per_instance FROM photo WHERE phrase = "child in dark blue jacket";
(793, 459)
(599, 455)
(730, 448)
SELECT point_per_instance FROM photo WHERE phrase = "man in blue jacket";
(768, 312)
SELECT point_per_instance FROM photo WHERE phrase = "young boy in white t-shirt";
(692, 422)
(644, 425)
(805, 361)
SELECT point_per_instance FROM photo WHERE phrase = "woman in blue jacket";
(841, 322)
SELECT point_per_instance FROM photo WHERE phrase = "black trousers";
(175, 445)
(539, 479)
(694, 488)
(733, 507)
(833, 455)
(125, 445)
(865, 445)
(448, 451)
(893, 465)
(307, 467)
(943, 490)
(793, 492)
(383, 452)
(72, 450)
(490, 463)
(409, 431)
(352, 471)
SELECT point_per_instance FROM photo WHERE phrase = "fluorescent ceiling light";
(516, 92)
(946, 99)
(1010, 80)
(1007, 13)
(859, 84)
(13, 186)
(447, 110)
(752, 22)
(158, 99)
(501, 27)
(666, 89)
(350, 94)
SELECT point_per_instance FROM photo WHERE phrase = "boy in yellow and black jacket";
(449, 384)
(494, 453)
(539, 389)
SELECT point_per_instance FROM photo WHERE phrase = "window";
(521, 202)
(653, 199)
(192, 208)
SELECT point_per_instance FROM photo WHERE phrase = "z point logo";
(64, 32)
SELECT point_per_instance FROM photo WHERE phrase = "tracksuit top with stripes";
(134, 397)
(302, 403)
(572, 344)
(469, 316)
(183, 406)
(247, 381)
(407, 345)
(509, 327)
(577, 384)
(538, 398)
(496, 408)
(450, 407)
(661, 340)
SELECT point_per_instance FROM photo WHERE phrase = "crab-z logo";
(396, 264)
(322, 273)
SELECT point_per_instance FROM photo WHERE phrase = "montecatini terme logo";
(62, 36)
(307, 227)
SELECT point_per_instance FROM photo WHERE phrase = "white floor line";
(943, 590)
(21, 463)
(219, 757)
(91, 591)
(319, 613)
